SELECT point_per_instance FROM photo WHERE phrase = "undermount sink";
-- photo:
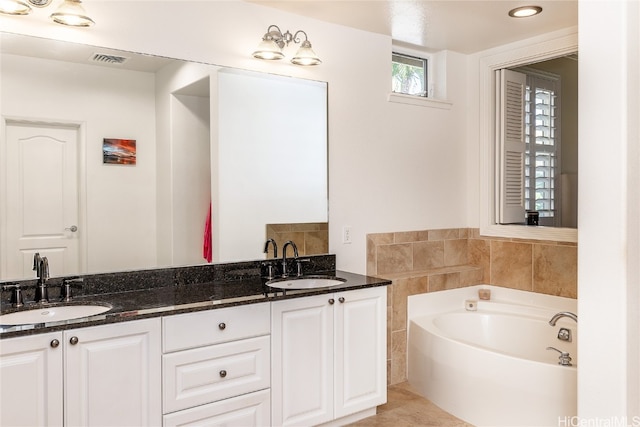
(306, 282)
(52, 313)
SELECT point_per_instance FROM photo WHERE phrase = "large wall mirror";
(214, 147)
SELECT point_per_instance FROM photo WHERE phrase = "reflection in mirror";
(61, 100)
(538, 139)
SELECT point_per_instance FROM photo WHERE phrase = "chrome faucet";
(284, 256)
(275, 247)
(41, 267)
(271, 274)
(562, 314)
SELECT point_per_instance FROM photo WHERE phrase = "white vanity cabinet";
(329, 357)
(217, 367)
(31, 380)
(101, 375)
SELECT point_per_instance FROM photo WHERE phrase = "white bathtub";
(490, 367)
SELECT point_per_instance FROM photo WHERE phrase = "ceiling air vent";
(104, 58)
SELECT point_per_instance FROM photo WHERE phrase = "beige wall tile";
(471, 277)
(402, 288)
(428, 255)
(316, 242)
(443, 234)
(399, 356)
(389, 322)
(441, 282)
(406, 237)
(555, 270)
(395, 258)
(381, 238)
(511, 264)
(372, 259)
(456, 252)
(480, 255)
(423, 235)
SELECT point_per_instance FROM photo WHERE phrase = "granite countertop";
(180, 298)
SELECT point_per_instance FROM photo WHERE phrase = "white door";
(41, 201)
(31, 380)
(113, 375)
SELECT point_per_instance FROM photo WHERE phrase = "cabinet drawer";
(204, 375)
(202, 328)
(249, 410)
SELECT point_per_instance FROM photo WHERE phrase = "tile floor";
(405, 408)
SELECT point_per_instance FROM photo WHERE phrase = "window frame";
(553, 45)
(426, 63)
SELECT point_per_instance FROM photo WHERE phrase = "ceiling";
(463, 26)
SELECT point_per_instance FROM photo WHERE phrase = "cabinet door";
(113, 375)
(31, 380)
(360, 350)
(302, 361)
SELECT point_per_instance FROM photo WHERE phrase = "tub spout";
(562, 314)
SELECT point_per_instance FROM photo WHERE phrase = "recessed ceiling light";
(524, 11)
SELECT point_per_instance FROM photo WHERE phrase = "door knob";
(73, 228)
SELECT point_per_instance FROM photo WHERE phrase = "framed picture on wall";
(119, 151)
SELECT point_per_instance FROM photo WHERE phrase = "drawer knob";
(73, 340)
(332, 301)
(55, 343)
(222, 326)
(223, 373)
(341, 299)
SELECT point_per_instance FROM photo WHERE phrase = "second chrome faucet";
(285, 273)
(41, 267)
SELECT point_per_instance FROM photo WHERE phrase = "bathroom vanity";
(220, 349)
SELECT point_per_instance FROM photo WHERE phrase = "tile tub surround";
(432, 260)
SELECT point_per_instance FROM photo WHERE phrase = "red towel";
(207, 250)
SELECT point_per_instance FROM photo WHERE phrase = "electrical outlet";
(346, 234)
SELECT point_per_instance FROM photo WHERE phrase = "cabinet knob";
(222, 326)
(73, 340)
(223, 373)
(341, 299)
(55, 343)
(331, 301)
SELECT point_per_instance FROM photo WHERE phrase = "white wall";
(120, 207)
(609, 203)
(183, 104)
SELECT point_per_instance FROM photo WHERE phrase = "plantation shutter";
(511, 136)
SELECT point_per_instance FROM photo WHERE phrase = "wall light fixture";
(70, 12)
(274, 40)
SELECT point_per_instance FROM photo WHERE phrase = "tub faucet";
(284, 256)
(562, 314)
(41, 267)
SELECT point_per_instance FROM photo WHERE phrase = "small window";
(409, 75)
